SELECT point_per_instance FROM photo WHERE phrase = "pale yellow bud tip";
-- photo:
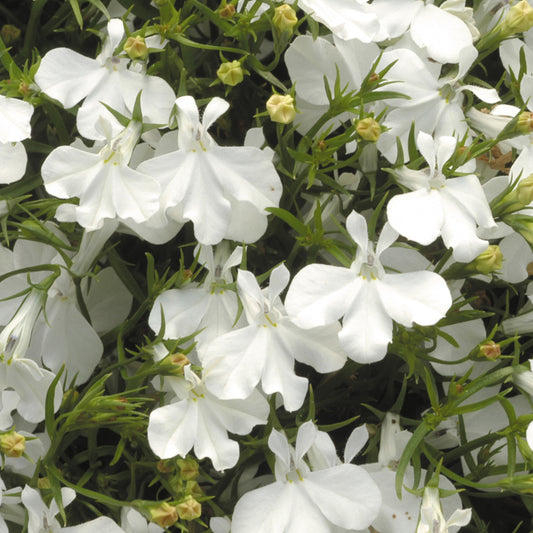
(489, 261)
(190, 509)
(281, 108)
(164, 515)
(136, 48)
(230, 73)
(518, 19)
(285, 18)
(369, 129)
(12, 444)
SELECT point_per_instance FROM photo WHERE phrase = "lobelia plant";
(231, 229)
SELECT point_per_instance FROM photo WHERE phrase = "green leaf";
(418, 436)
(77, 12)
(290, 219)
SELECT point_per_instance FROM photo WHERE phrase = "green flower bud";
(9, 34)
(369, 129)
(230, 73)
(136, 48)
(281, 108)
(285, 18)
(188, 469)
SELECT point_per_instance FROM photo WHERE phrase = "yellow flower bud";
(524, 191)
(369, 129)
(136, 48)
(189, 509)
(489, 260)
(525, 122)
(281, 108)
(230, 73)
(164, 514)
(518, 19)
(285, 18)
(490, 350)
(12, 444)
(9, 34)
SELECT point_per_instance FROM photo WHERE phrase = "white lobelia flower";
(265, 350)
(70, 77)
(301, 500)
(451, 208)
(400, 515)
(368, 297)
(200, 420)
(20, 373)
(435, 104)
(432, 519)
(223, 190)
(209, 307)
(42, 518)
(15, 126)
(440, 31)
(106, 186)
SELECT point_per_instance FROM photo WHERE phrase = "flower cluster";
(230, 230)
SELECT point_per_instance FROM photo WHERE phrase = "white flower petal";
(15, 118)
(317, 347)
(345, 494)
(172, 429)
(421, 297)
(442, 34)
(321, 294)
(357, 439)
(14, 160)
(416, 215)
(68, 76)
(366, 327)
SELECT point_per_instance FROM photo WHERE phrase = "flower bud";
(230, 73)
(525, 122)
(490, 350)
(488, 261)
(164, 514)
(188, 469)
(369, 129)
(518, 19)
(136, 48)
(193, 488)
(189, 509)
(12, 444)
(285, 18)
(9, 34)
(525, 190)
(44, 483)
(165, 466)
(281, 108)
(227, 11)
